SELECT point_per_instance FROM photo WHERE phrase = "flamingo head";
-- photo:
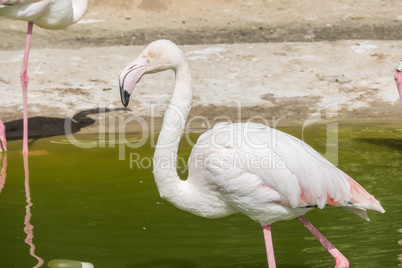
(158, 56)
(398, 78)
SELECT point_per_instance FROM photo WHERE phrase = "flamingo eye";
(152, 55)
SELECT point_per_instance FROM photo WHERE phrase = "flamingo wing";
(254, 160)
(48, 14)
(16, 2)
(27, 10)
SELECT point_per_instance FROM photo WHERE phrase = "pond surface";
(86, 204)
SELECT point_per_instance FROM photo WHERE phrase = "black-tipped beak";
(130, 76)
(125, 96)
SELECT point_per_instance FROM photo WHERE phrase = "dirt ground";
(137, 22)
(282, 61)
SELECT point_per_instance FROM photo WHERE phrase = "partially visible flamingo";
(3, 141)
(248, 168)
(398, 78)
(48, 14)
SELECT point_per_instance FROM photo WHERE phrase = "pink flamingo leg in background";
(3, 141)
(24, 82)
(398, 78)
(269, 246)
(341, 261)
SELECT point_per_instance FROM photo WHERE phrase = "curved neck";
(79, 9)
(174, 120)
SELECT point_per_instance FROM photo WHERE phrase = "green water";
(88, 205)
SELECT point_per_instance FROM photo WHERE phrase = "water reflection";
(62, 263)
(3, 173)
(102, 212)
(28, 226)
(400, 255)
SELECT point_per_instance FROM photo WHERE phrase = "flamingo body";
(268, 175)
(249, 168)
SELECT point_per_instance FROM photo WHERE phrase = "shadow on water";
(41, 126)
(165, 263)
(392, 143)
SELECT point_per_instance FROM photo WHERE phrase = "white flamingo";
(48, 14)
(249, 168)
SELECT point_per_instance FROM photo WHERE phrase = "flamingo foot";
(3, 141)
(341, 261)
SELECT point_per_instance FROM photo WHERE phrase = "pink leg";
(268, 245)
(3, 141)
(341, 261)
(24, 82)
